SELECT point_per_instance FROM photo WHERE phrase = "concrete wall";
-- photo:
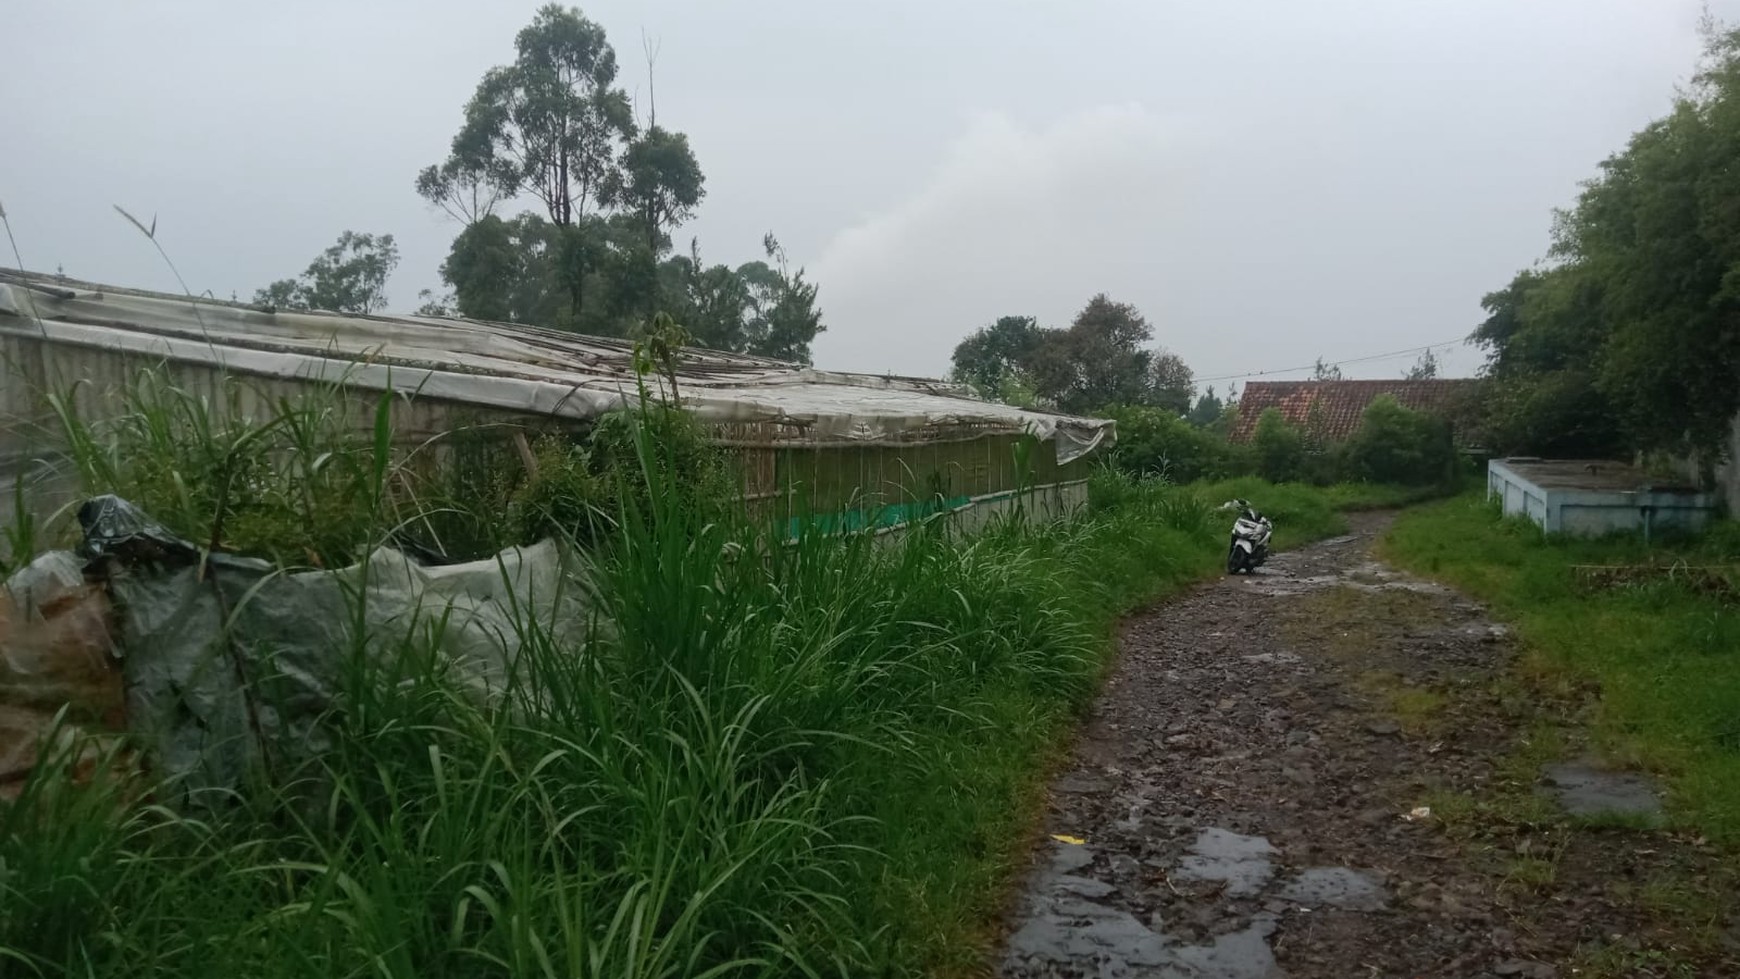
(1592, 519)
(1520, 497)
(1584, 517)
(1043, 503)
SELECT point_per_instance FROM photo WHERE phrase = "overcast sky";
(1268, 181)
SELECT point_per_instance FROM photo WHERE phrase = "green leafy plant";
(1400, 446)
(1279, 448)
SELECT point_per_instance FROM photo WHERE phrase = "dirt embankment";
(1329, 770)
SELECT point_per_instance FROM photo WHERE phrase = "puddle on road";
(1371, 576)
(1065, 931)
(1336, 887)
(1067, 858)
(1582, 789)
(1241, 862)
(1077, 932)
(1239, 955)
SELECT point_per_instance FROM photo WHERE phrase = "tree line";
(1100, 359)
(1101, 364)
(555, 129)
(1627, 335)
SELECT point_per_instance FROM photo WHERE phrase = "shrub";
(565, 496)
(1398, 445)
(664, 449)
(1279, 448)
(1154, 441)
(1325, 466)
(1109, 488)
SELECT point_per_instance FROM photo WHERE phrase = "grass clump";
(313, 481)
(1531, 875)
(1660, 653)
(292, 481)
(1417, 709)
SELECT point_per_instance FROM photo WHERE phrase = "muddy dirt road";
(1245, 800)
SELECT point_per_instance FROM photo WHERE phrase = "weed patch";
(1657, 655)
(780, 758)
(1416, 709)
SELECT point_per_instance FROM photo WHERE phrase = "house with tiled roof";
(1331, 410)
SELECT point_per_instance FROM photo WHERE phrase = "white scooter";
(1250, 538)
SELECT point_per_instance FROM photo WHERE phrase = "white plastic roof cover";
(514, 367)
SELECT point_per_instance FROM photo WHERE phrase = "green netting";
(873, 487)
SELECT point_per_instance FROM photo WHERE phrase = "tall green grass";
(767, 758)
(297, 483)
(1666, 657)
(303, 482)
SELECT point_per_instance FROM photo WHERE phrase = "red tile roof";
(1342, 403)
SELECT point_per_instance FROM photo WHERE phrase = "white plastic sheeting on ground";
(514, 368)
(231, 666)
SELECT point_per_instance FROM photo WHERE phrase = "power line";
(1351, 360)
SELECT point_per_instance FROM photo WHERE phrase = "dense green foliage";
(300, 486)
(1393, 445)
(1397, 445)
(1157, 442)
(767, 759)
(1279, 448)
(1099, 366)
(1660, 650)
(1208, 410)
(994, 359)
(1098, 361)
(1543, 335)
(1629, 338)
(349, 277)
(556, 127)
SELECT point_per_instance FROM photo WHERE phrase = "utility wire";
(1351, 360)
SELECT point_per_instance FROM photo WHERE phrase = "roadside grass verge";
(767, 759)
(1665, 656)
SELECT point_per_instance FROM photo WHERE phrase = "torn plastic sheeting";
(232, 665)
(849, 413)
(55, 655)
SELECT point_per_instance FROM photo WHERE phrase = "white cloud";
(1013, 221)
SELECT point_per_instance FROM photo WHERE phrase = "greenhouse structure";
(846, 450)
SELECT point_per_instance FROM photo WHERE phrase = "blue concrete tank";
(1594, 497)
